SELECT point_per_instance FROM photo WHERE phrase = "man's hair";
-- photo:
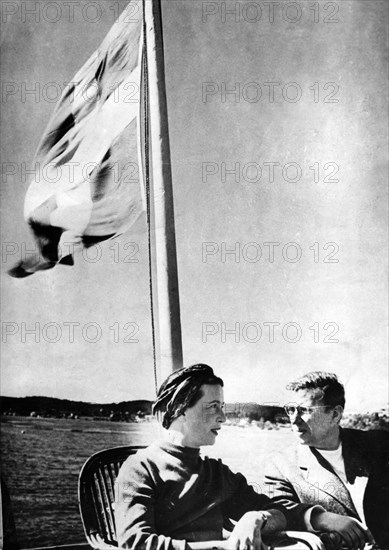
(325, 385)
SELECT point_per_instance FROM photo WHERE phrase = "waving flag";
(88, 183)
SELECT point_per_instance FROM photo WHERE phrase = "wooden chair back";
(96, 495)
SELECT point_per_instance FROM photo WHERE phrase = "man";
(346, 471)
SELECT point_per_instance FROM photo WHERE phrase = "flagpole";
(166, 287)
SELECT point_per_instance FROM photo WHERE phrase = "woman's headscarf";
(176, 394)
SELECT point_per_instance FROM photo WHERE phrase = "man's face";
(316, 427)
(202, 422)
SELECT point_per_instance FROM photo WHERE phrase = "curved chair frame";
(96, 495)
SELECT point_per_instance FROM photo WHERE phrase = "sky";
(278, 131)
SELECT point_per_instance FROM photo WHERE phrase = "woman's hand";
(247, 532)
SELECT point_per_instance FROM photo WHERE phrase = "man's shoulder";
(288, 458)
(370, 444)
(365, 437)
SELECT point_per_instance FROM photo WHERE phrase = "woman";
(169, 498)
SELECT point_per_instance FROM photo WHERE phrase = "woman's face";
(202, 422)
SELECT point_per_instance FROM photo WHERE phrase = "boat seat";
(96, 497)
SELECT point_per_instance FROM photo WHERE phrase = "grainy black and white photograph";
(194, 232)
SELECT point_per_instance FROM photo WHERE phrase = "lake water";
(41, 459)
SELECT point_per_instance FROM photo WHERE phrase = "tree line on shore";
(243, 414)
(51, 407)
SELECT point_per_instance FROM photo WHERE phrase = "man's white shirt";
(357, 490)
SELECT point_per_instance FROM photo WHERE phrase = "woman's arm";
(241, 498)
(135, 523)
(246, 534)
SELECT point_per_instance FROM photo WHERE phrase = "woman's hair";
(181, 390)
